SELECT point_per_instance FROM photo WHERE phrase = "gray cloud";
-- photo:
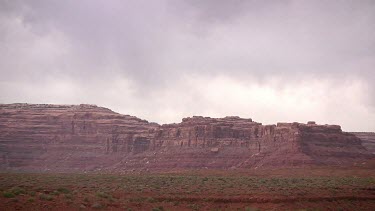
(143, 56)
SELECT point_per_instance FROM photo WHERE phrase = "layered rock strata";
(368, 140)
(67, 136)
(40, 137)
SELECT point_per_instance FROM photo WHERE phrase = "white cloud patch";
(323, 101)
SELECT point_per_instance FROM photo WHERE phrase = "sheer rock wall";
(41, 137)
(368, 140)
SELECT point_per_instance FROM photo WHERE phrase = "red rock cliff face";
(67, 136)
(368, 140)
(224, 143)
(236, 142)
(87, 137)
(327, 144)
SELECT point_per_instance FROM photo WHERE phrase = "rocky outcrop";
(87, 137)
(368, 140)
(327, 144)
(67, 136)
(236, 142)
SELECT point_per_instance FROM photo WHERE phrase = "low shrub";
(46, 197)
(8, 195)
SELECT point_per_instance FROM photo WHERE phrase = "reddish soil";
(282, 189)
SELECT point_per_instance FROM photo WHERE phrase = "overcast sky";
(162, 60)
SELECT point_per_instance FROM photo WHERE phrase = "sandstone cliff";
(67, 136)
(368, 140)
(40, 137)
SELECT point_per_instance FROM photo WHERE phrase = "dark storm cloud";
(128, 34)
(293, 36)
(261, 37)
(138, 54)
(292, 39)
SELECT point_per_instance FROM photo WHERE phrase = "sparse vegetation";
(46, 197)
(32, 193)
(17, 191)
(68, 196)
(63, 190)
(160, 208)
(188, 191)
(8, 195)
(97, 205)
(251, 209)
(103, 195)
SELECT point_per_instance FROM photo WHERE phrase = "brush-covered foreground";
(284, 189)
